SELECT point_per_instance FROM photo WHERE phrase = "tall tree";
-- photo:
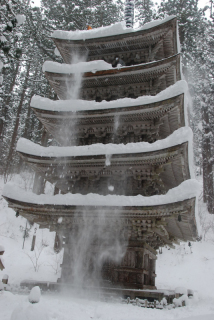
(190, 20)
(197, 45)
(34, 50)
(144, 11)
(203, 82)
(76, 15)
(10, 19)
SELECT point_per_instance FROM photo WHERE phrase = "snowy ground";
(175, 268)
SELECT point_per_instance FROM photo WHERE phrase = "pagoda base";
(107, 292)
(135, 269)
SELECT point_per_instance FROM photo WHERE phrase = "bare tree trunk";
(15, 130)
(207, 162)
(1, 126)
(8, 97)
(58, 242)
(7, 100)
(25, 135)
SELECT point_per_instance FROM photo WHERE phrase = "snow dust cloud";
(68, 130)
(96, 244)
(73, 89)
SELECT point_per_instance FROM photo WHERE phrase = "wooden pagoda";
(149, 63)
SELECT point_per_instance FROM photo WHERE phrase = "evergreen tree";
(106, 12)
(144, 11)
(76, 15)
(19, 85)
(203, 84)
(9, 20)
(190, 20)
(23, 75)
(196, 36)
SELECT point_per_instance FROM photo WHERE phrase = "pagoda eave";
(134, 81)
(170, 222)
(150, 122)
(141, 46)
(166, 169)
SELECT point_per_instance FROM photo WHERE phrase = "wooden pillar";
(152, 264)
(137, 268)
(56, 190)
(57, 243)
(67, 258)
(146, 269)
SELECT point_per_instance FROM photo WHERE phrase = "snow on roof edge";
(179, 136)
(76, 68)
(108, 31)
(79, 105)
(92, 66)
(186, 190)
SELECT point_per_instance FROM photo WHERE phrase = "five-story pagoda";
(123, 167)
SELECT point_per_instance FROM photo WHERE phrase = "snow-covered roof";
(80, 105)
(97, 65)
(177, 137)
(112, 30)
(186, 190)
(80, 67)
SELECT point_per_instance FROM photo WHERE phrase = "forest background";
(25, 44)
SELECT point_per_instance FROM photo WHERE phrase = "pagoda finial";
(129, 13)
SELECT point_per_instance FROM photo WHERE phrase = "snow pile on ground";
(80, 67)
(191, 267)
(20, 264)
(34, 295)
(112, 30)
(186, 190)
(30, 310)
(26, 311)
(68, 307)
